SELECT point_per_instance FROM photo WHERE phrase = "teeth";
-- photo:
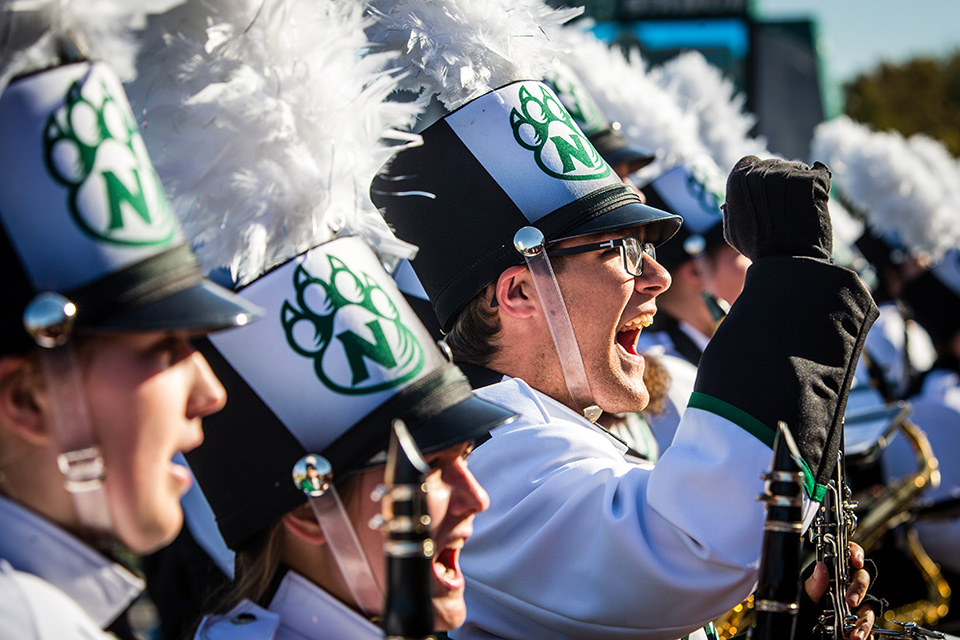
(641, 321)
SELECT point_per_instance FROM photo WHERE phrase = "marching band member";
(625, 531)
(339, 356)
(100, 384)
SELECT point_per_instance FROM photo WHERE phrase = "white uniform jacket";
(580, 542)
(300, 610)
(52, 585)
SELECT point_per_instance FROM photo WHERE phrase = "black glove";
(778, 208)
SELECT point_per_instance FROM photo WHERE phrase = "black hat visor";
(163, 292)
(659, 226)
(202, 307)
(435, 419)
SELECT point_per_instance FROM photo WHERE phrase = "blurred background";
(886, 63)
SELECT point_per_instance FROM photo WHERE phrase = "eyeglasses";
(631, 251)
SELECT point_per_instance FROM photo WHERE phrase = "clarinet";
(408, 606)
(832, 529)
(778, 590)
(833, 526)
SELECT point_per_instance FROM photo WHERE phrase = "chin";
(449, 612)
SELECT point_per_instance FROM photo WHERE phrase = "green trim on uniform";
(741, 418)
(757, 429)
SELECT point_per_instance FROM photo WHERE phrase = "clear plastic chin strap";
(529, 241)
(49, 319)
(338, 532)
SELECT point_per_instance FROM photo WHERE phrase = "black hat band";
(417, 404)
(138, 285)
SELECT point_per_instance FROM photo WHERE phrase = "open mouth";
(446, 566)
(628, 334)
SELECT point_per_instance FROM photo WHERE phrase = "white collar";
(557, 409)
(311, 612)
(34, 545)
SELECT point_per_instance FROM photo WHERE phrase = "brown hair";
(255, 571)
(473, 338)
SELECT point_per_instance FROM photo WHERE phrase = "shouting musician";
(580, 541)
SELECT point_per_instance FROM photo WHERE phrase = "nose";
(207, 395)
(467, 496)
(654, 279)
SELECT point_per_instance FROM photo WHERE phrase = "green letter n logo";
(543, 126)
(93, 148)
(373, 350)
(358, 348)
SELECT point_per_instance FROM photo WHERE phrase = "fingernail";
(859, 634)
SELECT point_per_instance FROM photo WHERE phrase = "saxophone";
(408, 606)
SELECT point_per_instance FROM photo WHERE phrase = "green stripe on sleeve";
(757, 429)
(741, 418)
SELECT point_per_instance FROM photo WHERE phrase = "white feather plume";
(904, 186)
(33, 32)
(702, 90)
(266, 122)
(459, 50)
(649, 116)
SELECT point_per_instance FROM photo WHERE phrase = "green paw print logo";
(92, 147)
(543, 126)
(578, 103)
(709, 199)
(321, 325)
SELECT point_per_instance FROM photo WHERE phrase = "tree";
(921, 95)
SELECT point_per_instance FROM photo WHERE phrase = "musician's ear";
(303, 524)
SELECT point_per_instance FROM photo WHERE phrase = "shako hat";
(83, 214)
(603, 134)
(512, 158)
(338, 356)
(685, 190)
(282, 166)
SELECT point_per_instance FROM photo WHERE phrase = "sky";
(857, 35)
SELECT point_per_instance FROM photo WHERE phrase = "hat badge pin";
(93, 148)
(325, 323)
(543, 126)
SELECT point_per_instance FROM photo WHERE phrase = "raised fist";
(778, 208)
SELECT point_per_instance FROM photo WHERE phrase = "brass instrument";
(880, 514)
(408, 607)
(891, 509)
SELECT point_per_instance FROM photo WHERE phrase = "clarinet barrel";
(408, 549)
(778, 590)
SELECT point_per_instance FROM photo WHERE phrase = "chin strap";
(49, 320)
(529, 242)
(339, 533)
